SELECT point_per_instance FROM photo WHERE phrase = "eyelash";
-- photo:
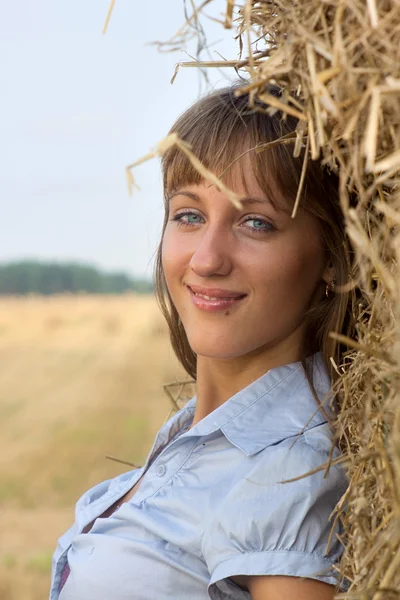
(177, 218)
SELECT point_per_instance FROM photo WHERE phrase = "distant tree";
(34, 277)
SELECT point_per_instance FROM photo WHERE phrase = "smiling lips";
(214, 299)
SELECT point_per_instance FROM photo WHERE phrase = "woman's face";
(241, 279)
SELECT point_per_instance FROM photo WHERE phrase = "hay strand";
(173, 140)
(108, 17)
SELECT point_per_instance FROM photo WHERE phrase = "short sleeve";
(263, 527)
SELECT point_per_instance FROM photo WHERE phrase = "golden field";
(81, 378)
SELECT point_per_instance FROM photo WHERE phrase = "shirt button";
(160, 470)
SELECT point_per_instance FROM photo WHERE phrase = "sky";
(76, 107)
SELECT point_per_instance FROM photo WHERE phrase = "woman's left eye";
(259, 225)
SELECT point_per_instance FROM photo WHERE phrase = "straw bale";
(340, 62)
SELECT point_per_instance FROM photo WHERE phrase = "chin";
(218, 348)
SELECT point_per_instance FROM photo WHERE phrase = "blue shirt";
(210, 505)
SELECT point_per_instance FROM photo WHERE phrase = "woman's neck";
(219, 379)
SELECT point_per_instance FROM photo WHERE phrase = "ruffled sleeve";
(263, 527)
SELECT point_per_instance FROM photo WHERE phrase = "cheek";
(173, 256)
(288, 268)
(305, 271)
(166, 258)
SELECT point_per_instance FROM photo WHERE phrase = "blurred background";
(84, 351)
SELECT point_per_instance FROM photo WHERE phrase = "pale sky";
(77, 106)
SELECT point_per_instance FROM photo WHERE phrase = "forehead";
(246, 175)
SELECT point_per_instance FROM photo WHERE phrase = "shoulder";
(291, 459)
(276, 519)
(282, 503)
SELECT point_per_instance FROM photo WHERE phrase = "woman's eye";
(187, 218)
(259, 225)
(254, 223)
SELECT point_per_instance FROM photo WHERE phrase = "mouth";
(214, 299)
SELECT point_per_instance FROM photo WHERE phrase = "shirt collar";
(276, 406)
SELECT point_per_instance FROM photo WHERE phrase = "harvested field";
(81, 378)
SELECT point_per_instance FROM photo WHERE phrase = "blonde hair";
(219, 128)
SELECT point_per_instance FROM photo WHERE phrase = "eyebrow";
(244, 201)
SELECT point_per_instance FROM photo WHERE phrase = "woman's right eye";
(187, 218)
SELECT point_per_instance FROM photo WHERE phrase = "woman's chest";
(156, 524)
(127, 544)
(115, 506)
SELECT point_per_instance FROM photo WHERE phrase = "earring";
(330, 286)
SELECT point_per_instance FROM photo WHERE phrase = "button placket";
(161, 469)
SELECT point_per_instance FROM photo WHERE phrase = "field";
(81, 379)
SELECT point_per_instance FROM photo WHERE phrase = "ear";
(329, 273)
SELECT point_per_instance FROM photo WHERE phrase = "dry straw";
(341, 60)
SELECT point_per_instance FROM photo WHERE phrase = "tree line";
(34, 277)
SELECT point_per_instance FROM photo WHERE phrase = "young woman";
(249, 297)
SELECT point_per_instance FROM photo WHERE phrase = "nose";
(212, 255)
